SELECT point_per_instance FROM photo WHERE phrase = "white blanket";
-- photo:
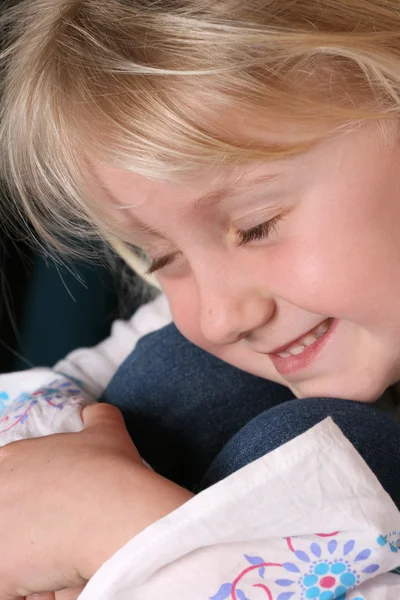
(307, 521)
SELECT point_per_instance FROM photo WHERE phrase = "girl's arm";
(79, 506)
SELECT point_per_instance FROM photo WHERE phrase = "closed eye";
(160, 263)
(259, 232)
(244, 237)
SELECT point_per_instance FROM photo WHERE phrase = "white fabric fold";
(273, 530)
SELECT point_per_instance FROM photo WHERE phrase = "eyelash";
(244, 237)
(160, 263)
(259, 232)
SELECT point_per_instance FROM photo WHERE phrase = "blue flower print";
(327, 567)
(4, 398)
(329, 570)
(392, 539)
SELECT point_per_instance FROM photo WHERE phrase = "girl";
(251, 151)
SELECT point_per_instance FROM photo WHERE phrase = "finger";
(68, 594)
(107, 421)
(101, 414)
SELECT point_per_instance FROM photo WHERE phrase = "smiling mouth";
(301, 344)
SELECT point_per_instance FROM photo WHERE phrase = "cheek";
(346, 260)
(340, 273)
(321, 276)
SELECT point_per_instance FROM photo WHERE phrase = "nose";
(229, 313)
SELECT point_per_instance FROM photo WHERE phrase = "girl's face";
(289, 269)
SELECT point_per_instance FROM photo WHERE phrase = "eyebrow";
(138, 223)
(234, 190)
(226, 192)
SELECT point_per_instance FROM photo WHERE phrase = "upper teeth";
(311, 337)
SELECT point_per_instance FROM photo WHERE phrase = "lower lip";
(286, 366)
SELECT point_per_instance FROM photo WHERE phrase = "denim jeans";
(196, 419)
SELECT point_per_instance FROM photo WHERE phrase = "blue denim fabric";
(196, 419)
(375, 435)
(182, 405)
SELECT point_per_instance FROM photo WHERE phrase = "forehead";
(129, 188)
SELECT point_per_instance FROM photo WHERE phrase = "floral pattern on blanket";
(322, 567)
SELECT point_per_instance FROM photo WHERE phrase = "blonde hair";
(149, 85)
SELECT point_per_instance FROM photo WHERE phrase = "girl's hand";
(70, 501)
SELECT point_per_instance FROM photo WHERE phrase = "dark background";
(47, 310)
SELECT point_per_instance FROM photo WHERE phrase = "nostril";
(243, 336)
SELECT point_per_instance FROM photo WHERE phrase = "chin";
(357, 390)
